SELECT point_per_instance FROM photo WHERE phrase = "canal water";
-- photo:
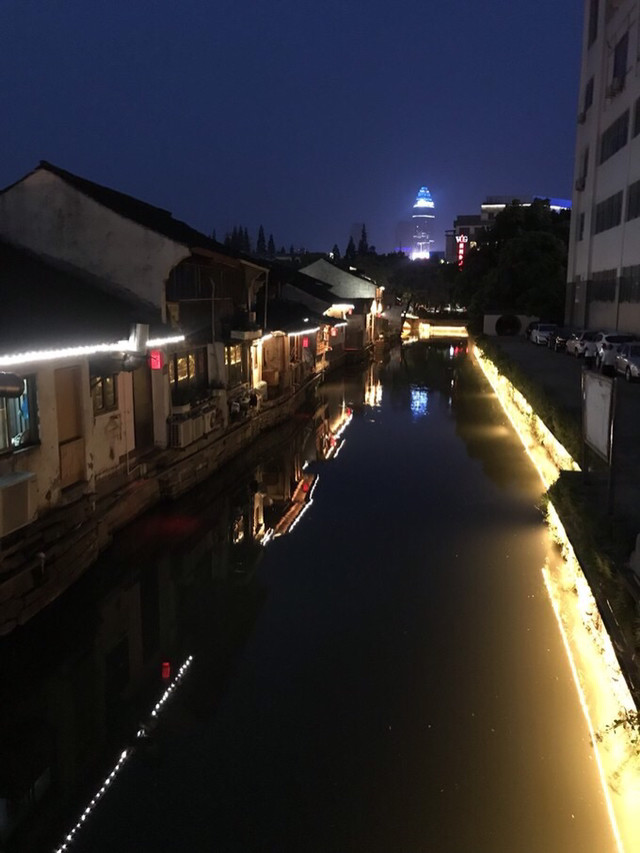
(373, 662)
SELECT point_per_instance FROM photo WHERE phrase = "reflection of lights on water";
(268, 536)
(307, 505)
(336, 444)
(543, 448)
(125, 755)
(339, 448)
(602, 690)
(373, 394)
(419, 401)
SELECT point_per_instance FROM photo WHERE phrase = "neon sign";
(461, 240)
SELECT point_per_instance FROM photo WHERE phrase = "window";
(584, 164)
(234, 364)
(593, 22)
(104, 393)
(187, 373)
(18, 418)
(620, 53)
(614, 137)
(633, 201)
(636, 118)
(581, 227)
(608, 213)
(588, 95)
(603, 286)
(630, 284)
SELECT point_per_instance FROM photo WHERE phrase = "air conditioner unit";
(580, 184)
(197, 428)
(180, 433)
(617, 85)
(18, 505)
(209, 420)
(582, 117)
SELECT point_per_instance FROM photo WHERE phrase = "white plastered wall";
(46, 215)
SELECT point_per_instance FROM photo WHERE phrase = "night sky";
(304, 116)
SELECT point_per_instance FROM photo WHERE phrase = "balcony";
(243, 327)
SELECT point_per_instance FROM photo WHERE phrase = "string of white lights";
(37, 356)
(141, 734)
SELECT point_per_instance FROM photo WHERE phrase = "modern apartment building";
(603, 278)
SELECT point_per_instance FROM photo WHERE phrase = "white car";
(605, 341)
(578, 341)
(628, 361)
(541, 331)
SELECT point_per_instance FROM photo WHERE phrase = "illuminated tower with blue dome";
(422, 220)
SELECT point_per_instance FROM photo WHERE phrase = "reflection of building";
(422, 220)
(603, 275)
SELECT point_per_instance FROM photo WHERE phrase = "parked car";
(577, 342)
(557, 340)
(604, 341)
(628, 361)
(541, 331)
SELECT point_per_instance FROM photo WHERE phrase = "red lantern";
(166, 670)
(305, 343)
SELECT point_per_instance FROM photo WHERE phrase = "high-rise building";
(422, 220)
(603, 276)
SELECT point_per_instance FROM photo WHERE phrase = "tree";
(335, 252)
(363, 245)
(519, 263)
(350, 251)
(246, 242)
(261, 246)
(271, 247)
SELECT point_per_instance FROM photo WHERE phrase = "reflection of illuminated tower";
(422, 220)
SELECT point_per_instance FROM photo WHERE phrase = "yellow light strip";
(549, 457)
(609, 695)
(585, 711)
(429, 330)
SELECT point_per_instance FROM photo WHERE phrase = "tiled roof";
(45, 306)
(343, 284)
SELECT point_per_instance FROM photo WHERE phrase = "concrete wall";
(51, 218)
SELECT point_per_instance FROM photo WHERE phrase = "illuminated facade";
(422, 222)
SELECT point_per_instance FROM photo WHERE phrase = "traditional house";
(195, 284)
(362, 295)
(86, 411)
(288, 286)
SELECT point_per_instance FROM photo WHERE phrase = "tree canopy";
(519, 263)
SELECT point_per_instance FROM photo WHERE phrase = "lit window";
(18, 418)
(104, 393)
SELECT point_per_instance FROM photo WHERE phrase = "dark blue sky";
(303, 116)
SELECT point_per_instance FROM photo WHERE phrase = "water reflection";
(186, 580)
(79, 680)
